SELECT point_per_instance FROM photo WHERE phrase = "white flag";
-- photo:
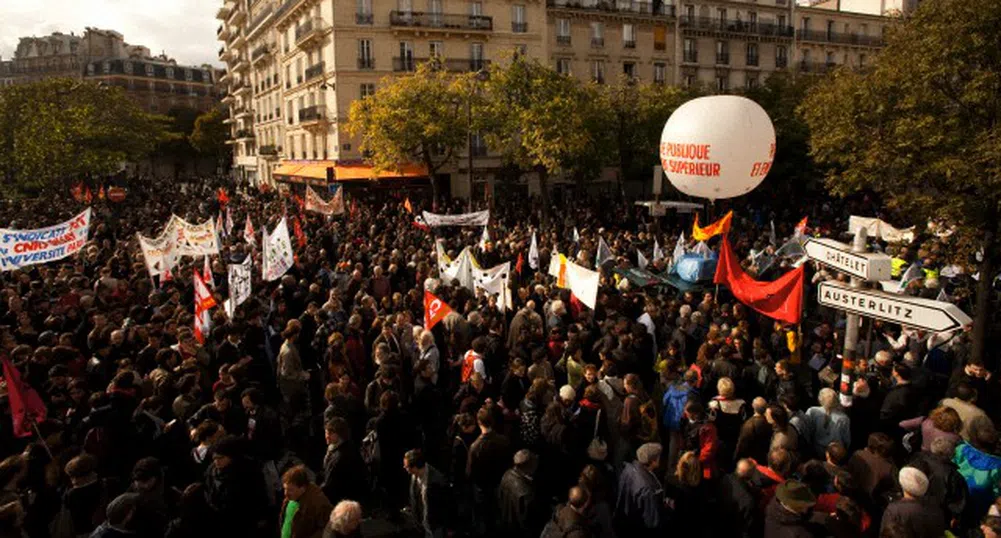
(576, 235)
(703, 249)
(207, 273)
(641, 260)
(229, 221)
(943, 296)
(484, 237)
(604, 253)
(913, 273)
(278, 252)
(657, 253)
(239, 284)
(772, 238)
(679, 250)
(533, 254)
(248, 232)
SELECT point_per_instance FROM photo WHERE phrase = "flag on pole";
(248, 232)
(604, 253)
(100, 193)
(913, 273)
(219, 225)
(26, 407)
(203, 303)
(300, 235)
(88, 196)
(435, 310)
(207, 273)
(657, 253)
(576, 235)
(222, 197)
(484, 238)
(229, 221)
(801, 227)
(943, 296)
(721, 226)
(772, 238)
(641, 260)
(520, 264)
(679, 250)
(407, 205)
(533, 254)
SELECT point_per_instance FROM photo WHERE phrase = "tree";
(210, 134)
(56, 132)
(420, 118)
(539, 120)
(176, 145)
(634, 119)
(920, 127)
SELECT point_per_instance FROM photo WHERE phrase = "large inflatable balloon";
(717, 147)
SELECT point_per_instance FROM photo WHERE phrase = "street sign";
(936, 316)
(837, 255)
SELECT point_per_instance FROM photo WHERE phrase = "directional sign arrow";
(936, 316)
(837, 255)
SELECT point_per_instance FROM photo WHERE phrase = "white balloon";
(717, 147)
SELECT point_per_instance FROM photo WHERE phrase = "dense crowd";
(324, 409)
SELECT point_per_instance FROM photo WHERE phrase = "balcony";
(227, 98)
(222, 34)
(807, 66)
(364, 18)
(819, 36)
(269, 152)
(241, 89)
(315, 71)
(366, 63)
(241, 64)
(259, 19)
(309, 32)
(244, 134)
(313, 116)
(752, 61)
(260, 54)
(222, 53)
(443, 21)
(597, 42)
(237, 16)
(716, 25)
(629, 44)
(722, 58)
(618, 6)
(241, 113)
(225, 9)
(471, 65)
(237, 39)
(519, 27)
(691, 57)
(563, 40)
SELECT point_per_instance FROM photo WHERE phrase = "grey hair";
(828, 399)
(649, 453)
(943, 447)
(345, 513)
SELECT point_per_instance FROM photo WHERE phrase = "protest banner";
(277, 252)
(239, 284)
(21, 248)
(480, 218)
(316, 204)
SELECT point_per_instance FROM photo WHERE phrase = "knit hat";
(795, 496)
(913, 481)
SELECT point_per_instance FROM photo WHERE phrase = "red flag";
(407, 206)
(88, 196)
(26, 407)
(77, 192)
(222, 196)
(520, 264)
(299, 234)
(299, 202)
(801, 226)
(420, 224)
(781, 299)
(435, 310)
(203, 303)
(100, 193)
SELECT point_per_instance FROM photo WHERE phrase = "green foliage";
(415, 118)
(55, 132)
(209, 134)
(180, 125)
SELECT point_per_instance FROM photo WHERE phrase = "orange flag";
(435, 310)
(407, 206)
(721, 226)
(801, 226)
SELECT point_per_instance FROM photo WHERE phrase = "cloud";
(184, 29)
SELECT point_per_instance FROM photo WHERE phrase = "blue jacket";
(675, 398)
(640, 502)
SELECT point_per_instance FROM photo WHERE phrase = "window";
(478, 145)
(364, 13)
(598, 71)
(170, 72)
(806, 55)
(830, 29)
(406, 56)
(782, 22)
(752, 54)
(597, 34)
(690, 13)
(476, 56)
(434, 9)
(781, 56)
(804, 23)
(659, 73)
(405, 6)
(189, 75)
(476, 9)
(367, 89)
(722, 83)
(365, 54)
(563, 66)
(864, 29)
(628, 36)
(660, 38)
(861, 60)
(689, 81)
(298, 71)
(752, 81)
(752, 18)
(128, 67)
(829, 60)
(721, 16)
(563, 31)
(629, 70)
(436, 49)
(288, 76)
(691, 53)
(288, 108)
(518, 24)
(722, 52)
(149, 68)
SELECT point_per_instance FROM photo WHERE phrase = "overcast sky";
(184, 29)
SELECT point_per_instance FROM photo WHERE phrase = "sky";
(184, 29)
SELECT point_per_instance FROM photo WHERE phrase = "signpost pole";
(851, 330)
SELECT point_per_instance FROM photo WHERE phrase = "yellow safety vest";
(896, 267)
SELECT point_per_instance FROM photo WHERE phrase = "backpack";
(674, 408)
(648, 421)
(371, 454)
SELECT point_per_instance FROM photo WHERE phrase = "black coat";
(901, 403)
(737, 508)
(781, 523)
(489, 458)
(344, 474)
(916, 517)
(521, 511)
(237, 497)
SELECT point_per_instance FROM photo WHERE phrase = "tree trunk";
(433, 176)
(985, 289)
(544, 194)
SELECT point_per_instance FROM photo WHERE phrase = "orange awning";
(364, 172)
(313, 171)
(287, 169)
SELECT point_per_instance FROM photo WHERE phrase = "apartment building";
(157, 84)
(295, 66)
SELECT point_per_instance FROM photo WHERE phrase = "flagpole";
(45, 445)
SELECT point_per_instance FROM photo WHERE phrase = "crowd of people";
(324, 409)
